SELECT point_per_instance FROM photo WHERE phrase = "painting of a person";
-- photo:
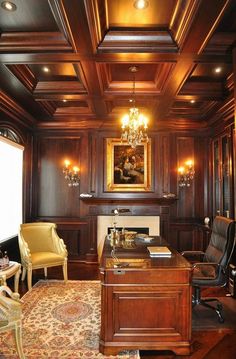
(128, 165)
(130, 171)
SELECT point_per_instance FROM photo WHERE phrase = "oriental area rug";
(60, 321)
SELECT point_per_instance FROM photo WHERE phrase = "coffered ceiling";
(65, 63)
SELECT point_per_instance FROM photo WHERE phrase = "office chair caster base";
(196, 300)
(218, 310)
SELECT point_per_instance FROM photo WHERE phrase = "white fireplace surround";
(105, 222)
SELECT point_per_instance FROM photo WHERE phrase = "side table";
(14, 268)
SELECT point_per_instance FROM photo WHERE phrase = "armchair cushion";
(44, 258)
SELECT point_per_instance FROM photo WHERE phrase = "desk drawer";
(162, 276)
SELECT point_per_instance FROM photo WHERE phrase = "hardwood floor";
(207, 344)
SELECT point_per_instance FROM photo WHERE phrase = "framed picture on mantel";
(127, 169)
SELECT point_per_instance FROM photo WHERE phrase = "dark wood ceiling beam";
(60, 17)
(14, 42)
(74, 13)
(14, 111)
(224, 112)
(72, 124)
(178, 124)
(60, 97)
(182, 19)
(31, 58)
(179, 75)
(207, 89)
(97, 20)
(204, 24)
(137, 41)
(24, 75)
(68, 112)
(59, 87)
(94, 87)
(48, 107)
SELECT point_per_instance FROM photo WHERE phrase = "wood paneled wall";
(47, 197)
(76, 218)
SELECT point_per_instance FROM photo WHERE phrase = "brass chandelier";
(134, 124)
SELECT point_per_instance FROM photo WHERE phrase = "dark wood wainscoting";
(189, 235)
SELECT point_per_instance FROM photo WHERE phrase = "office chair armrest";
(199, 264)
(193, 254)
(203, 265)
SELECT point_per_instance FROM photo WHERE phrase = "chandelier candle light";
(134, 124)
(186, 174)
(71, 174)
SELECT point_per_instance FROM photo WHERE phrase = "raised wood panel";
(125, 323)
(54, 196)
(185, 152)
(93, 156)
(165, 164)
(202, 234)
(72, 240)
(181, 236)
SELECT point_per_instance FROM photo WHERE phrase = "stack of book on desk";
(160, 251)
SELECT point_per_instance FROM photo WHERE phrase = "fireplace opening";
(149, 225)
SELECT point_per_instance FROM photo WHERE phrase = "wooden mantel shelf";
(135, 200)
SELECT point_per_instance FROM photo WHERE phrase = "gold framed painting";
(127, 169)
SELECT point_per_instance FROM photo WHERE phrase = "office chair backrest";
(222, 241)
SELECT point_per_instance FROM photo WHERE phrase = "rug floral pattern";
(60, 321)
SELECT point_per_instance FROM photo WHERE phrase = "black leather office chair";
(211, 271)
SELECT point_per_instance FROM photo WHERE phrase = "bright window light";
(11, 185)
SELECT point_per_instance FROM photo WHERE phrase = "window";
(11, 186)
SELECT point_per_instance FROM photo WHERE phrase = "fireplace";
(104, 223)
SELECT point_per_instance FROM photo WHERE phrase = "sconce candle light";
(186, 174)
(71, 174)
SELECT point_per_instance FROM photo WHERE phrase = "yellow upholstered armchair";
(10, 316)
(41, 247)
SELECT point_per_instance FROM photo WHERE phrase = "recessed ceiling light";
(64, 100)
(9, 6)
(141, 4)
(218, 69)
(45, 69)
(192, 101)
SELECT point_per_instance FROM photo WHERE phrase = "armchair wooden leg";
(18, 338)
(45, 272)
(65, 271)
(29, 278)
(16, 280)
(23, 274)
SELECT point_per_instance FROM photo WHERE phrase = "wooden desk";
(146, 305)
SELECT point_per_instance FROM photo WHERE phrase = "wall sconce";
(71, 174)
(186, 174)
